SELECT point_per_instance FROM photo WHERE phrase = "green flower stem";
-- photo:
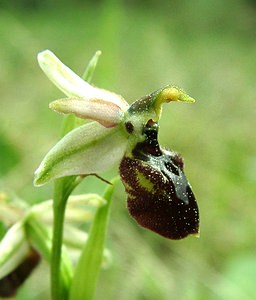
(59, 291)
(87, 271)
(62, 189)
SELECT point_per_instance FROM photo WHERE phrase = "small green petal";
(88, 149)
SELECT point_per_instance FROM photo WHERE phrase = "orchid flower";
(159, 195)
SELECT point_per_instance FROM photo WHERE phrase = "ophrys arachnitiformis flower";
(159, 195)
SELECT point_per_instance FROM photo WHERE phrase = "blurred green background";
(206, 47)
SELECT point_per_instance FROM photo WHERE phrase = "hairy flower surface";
(159, 195)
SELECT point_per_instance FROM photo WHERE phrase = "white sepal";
(88, 149)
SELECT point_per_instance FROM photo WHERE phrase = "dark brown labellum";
(159, 195)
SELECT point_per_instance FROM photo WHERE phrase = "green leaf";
(87, 271)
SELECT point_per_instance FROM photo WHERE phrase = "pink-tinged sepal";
(106, 113)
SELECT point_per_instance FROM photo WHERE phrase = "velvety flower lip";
(160, 197)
